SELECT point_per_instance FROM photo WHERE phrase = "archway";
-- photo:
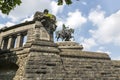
(7, 70)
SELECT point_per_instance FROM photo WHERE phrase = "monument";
(42, 59)
(65, 34)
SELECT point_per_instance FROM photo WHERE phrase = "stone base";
(69, 45)
(73, 49)
(44, 62)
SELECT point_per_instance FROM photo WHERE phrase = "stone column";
(9, 42)
(19, 40)
(0, 41)
(2, 44)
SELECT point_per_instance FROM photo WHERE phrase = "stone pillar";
(0, 41)
(19, 40)
(2, 44)
(9, 42)
(41, 32)
(37, 34)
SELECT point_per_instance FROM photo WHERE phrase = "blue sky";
(96, 22)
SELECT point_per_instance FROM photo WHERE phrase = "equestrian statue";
(65, 34)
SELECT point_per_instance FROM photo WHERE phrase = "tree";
(7, 5)
(68, 2)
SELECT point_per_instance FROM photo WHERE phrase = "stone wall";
(11, 40)
(44, 62)
(83, 65)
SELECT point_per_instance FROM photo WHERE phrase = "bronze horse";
(65, 35)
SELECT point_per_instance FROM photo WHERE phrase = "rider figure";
(64, 29)
(50, 18)
(47, 15)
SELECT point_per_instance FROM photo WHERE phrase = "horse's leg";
(67, 38)
(58, 37)
(73, 38)
(62, 37)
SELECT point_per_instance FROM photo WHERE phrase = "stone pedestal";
(70, 45)
(73, 49)
(40, 33)
(44, 62)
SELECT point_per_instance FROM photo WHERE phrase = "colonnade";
(14, 41)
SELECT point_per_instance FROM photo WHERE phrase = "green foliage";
(7, 5)
(60, 2)
(68, 2)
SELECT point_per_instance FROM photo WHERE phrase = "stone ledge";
(44, 46)
(85, 54)
(48, 49)
(116, 63)
(69, 45)
(40, 43)
(73, 49)
(16, 26)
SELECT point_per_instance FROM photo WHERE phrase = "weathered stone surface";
(42, 59)
(44, 62)
(69, 45)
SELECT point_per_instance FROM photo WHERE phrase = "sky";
(96, 22)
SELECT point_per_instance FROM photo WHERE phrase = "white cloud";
(8, 24)
(75, 19)
(28, 19)
(1, 26)
(59, 24)
(88, 43)
(107, 29)
(55, 8)
(28, 8)
(84, 3)
(108, 52)
(103, 50)
(116, 58)
(96, 16)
